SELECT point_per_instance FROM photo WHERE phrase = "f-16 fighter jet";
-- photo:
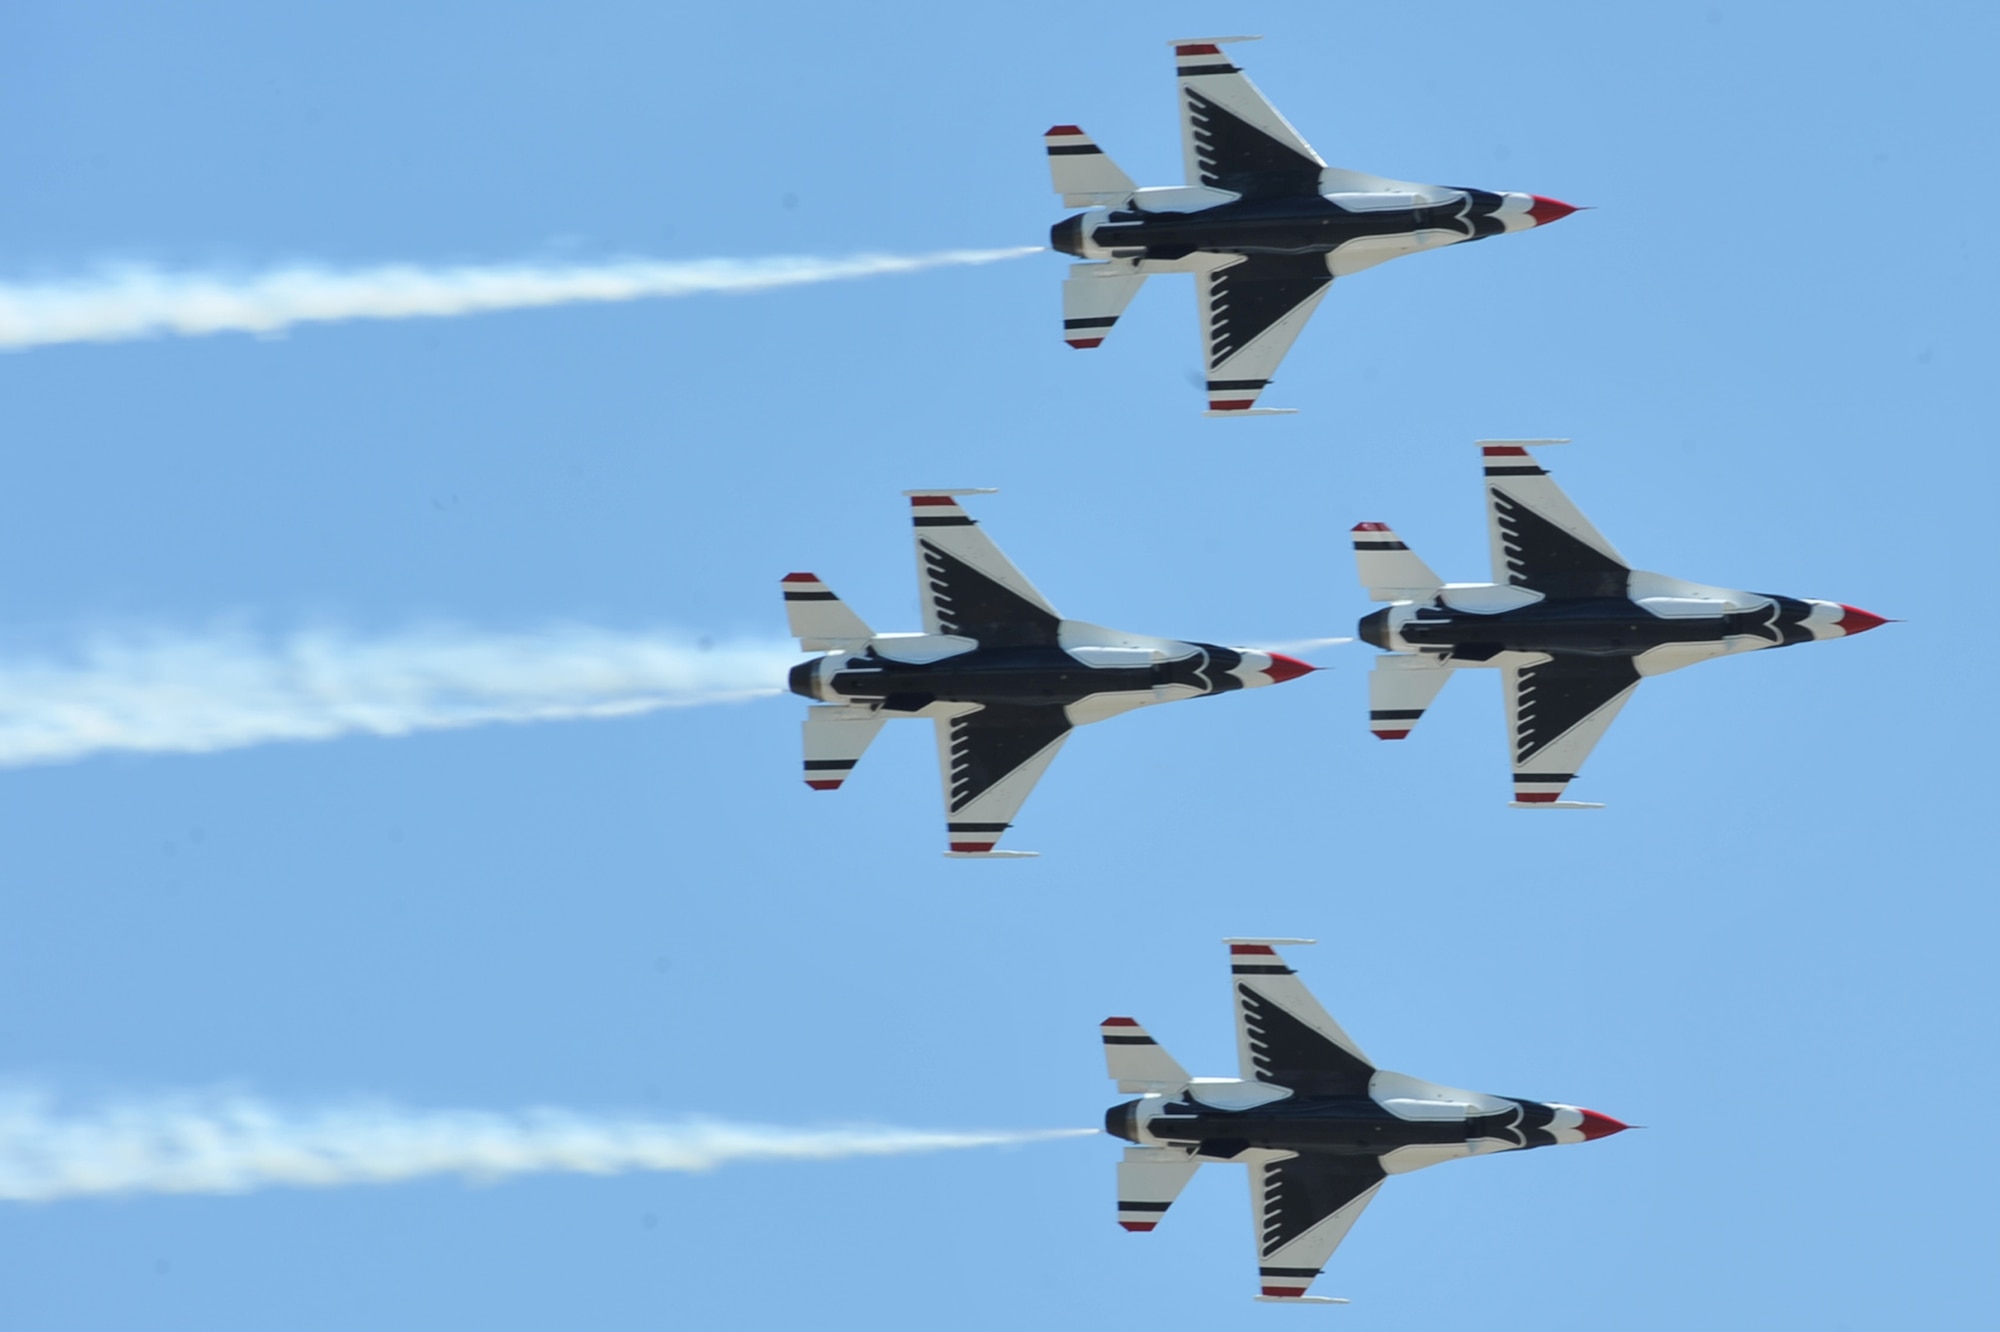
(1569, 624)
(1266, 228)
(1317, 1123)
(1005, 677)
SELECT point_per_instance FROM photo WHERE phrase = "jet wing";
(1231, 137)
(967, 587)
(1283, 1036)
(1251, 313)
(1539, 539)
(1556, 713)
(1301, 1208)
(991, 759)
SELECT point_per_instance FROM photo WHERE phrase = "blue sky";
(1771, 342)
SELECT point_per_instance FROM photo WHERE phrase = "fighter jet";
(1004, 675)
(1569, 624)
(1266, 229)
(1317, 1123)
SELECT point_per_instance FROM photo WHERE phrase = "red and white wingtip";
(805, 587)
(1279, 1286)
(1544, 790)
(1238, 397)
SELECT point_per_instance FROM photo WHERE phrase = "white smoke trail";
(232, 1143)
(180, 693)
(136, 300)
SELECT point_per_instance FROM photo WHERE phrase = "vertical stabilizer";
(1149, 1179)
(835, 739)
(1094, 295)
(1136, 1060)
(1400, 689)
(1390, 570)
(820, 620)
(1084, 174)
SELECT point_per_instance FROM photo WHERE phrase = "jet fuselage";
(1296, 224)
(1349, 1126)
(1039, 675)
(1605, 626)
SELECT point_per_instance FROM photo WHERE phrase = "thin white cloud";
(117, 302)
(196, 693)
(234, 1143)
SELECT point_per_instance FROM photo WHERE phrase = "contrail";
(231, 1143)
(135, 300)
(192, 694)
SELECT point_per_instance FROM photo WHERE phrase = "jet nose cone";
(1858, 621)
(1547, 210)
(1283, 668)
(1599, 1126)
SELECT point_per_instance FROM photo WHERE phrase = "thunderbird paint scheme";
(1318, 1124)
(1265, 229)
(1003, 675)
(1569, 624)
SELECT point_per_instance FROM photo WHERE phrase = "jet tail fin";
(1390, 570)
(1149, 1179)
(1084, 175)
(1136, 1060)
(835, 739)
(1094, 295)
(1400, 688)
(821, 621)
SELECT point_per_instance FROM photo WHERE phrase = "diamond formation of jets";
(1005, 677)
(1570, 625)
(1266, 228)
(1318, 1124)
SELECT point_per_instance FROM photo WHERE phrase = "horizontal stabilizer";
(820, 620)
(1094, 295)
(1136, 1060)
(1083, 174)
(1149, 1179)
(1400, 689)
(835, 739)
(1390, 570)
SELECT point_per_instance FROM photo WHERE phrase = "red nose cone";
(1283, 668)
(1858, 621)
(1599, 1126)
(1547, 210)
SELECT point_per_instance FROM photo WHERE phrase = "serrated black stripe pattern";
(1304, 1191)
(1246, 299)
(1287, 1052)
(991, 743)
(1544, 557)
(1554, 697)
(973, 605)
(1233, 154)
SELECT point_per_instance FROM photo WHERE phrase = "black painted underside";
(1592, 626)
